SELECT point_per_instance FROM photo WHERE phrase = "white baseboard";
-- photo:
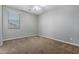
(19, 37)
(45, 37)
(58, 40)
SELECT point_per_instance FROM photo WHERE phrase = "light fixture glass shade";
(37, 8)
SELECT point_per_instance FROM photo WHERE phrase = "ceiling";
(35, 9)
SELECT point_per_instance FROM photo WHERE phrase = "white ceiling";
(29, 8)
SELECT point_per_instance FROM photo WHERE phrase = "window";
(13, 21)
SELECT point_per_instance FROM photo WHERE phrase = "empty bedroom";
(39, 29)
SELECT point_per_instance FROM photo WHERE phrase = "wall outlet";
(71, 38)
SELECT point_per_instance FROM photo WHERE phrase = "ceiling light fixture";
(37, 8)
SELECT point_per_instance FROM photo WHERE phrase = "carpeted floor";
(37, 45)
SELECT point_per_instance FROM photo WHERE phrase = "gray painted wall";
(0, 22)
(61, 23)
(28, 25)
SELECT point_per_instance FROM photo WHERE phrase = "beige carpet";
(38, 45)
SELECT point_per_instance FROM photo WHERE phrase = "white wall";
(61, 23)
(28, 25)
